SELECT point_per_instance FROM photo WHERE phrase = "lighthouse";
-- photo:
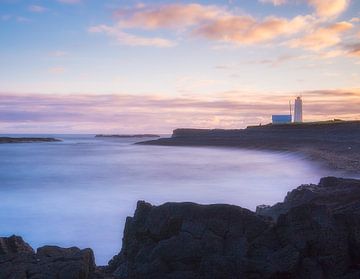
(298, 115)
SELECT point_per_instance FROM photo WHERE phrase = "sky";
(86, 66)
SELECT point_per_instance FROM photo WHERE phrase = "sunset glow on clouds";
(151, 113)
(73, 65)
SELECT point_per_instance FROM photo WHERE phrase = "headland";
(333, 143)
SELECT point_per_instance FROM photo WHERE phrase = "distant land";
(334, 143)
(129, 136)
(26, 140)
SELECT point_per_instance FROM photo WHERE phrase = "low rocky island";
(333, 143)
(313, 233)
(129, 136)
(26, 140)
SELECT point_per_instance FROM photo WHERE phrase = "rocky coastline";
(313, 233)
(336, 144)
(26, 140)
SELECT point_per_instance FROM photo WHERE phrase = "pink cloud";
(323, 37)
(207, 21)
(130, 39)
(168, 16)
(247, 30)
(154, 113)
(275, 2)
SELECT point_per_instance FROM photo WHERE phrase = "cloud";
(355, 20)
(323, 37)
(248, 30)
(176, 16)
(57, 70)
(37, 9)
(69, 1)
(329, 8)
(58, 53)
(155, 113)
(130, 39)
(203, 21)
(5, 17)
(22, 19)
(274, 2)
(353, 49)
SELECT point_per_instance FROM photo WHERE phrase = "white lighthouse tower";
(298, 115)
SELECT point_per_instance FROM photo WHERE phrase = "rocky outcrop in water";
(26, 140)
(313, 233)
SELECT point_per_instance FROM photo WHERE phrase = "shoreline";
(334, 145)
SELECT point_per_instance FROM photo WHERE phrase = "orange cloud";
(168, 16)
(354, 49)
(208, 21)
(247, 30)
(329, 8)
(322, 37)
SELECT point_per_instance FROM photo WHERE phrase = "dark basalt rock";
(338, 194)
(19, 261)
(314, 233)
(186, 240)
(26, 140)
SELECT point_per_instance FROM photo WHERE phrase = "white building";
(298, 115)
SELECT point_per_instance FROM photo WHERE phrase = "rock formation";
(313, 233)
(26, 140)
(19, 261)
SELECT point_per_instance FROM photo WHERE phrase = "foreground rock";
(26, 140)
(19, 261)
(314, 233)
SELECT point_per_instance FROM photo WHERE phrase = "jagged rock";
(14, 244)
(314, 233)
(19, 261)
(340, 195)
(186, 240)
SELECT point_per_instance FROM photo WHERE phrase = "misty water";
(78, 192)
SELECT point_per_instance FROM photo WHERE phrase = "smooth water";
(78, 192)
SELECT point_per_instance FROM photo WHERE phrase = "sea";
(78, 192)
